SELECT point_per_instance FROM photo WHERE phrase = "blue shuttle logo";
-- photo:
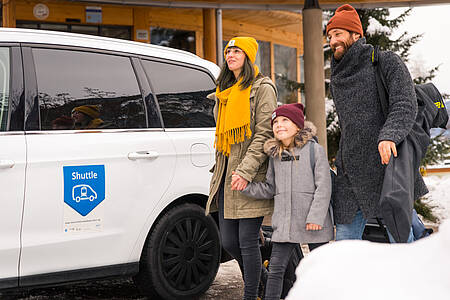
(84, 187)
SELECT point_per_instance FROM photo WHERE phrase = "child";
(302, 196)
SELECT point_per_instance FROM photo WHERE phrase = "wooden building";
(279, 33)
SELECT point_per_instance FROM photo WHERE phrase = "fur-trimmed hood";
(272, 146)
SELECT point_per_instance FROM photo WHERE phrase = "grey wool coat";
(353, 86)
(300, 197)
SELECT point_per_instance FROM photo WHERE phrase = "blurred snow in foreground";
(354, 270)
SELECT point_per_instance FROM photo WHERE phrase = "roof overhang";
(269, 4)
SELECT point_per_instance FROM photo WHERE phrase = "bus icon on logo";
(83, 192)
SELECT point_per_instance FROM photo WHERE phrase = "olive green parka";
(247, 159)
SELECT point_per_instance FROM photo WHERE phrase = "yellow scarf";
(233, 118)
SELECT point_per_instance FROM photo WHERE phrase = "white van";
(129, 120)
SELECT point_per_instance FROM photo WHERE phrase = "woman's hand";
(311, 226)
(237, 182)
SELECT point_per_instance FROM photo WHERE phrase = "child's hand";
(311, 226)
(237, 182)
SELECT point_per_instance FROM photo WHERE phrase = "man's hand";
(237, 182)
(385, 148)
(311, 226)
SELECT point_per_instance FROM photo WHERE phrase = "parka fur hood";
(272, 146)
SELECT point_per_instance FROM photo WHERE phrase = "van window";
(4, 88)
(181, 93)
(85, 90)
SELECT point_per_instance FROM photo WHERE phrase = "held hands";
(311, 226)
(237, 182)
(385, 148)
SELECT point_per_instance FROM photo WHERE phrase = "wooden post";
(272, 62)
(9, 13)
(140, 22)
(314, 74)
(209, 34)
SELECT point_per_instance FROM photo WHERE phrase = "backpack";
(431, 113)
(427, 95)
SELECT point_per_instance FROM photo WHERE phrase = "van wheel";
(181, 256)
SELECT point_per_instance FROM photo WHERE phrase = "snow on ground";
(439, 195)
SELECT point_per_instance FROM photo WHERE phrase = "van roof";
(21, 35)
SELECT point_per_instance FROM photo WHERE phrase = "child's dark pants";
(281, 253)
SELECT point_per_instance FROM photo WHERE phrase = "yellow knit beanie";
(247, 44)
(92, 111)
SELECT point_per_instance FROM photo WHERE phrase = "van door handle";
(143, 155)
(6, 164)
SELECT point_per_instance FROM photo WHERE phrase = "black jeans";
(279, 259)
(240, 238)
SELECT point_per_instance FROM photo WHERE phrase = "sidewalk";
(228, 284)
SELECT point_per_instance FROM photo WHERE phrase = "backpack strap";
(312, 158)
(380, 81)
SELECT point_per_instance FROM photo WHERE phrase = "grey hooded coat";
(300, 197)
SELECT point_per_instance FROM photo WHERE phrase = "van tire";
(181, 256)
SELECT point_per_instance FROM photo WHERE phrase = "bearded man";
(368, 139)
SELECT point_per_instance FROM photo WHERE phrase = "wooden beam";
(60, 11)
(209, 34)
(9, 13)
(271, 4)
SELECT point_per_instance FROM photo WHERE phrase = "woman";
(245, 100)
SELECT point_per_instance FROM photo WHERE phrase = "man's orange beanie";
(346, 18)
(247, 44)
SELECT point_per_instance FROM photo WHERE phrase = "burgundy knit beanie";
(346, 18)
(293, 111)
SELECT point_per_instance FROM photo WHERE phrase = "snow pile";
(438, 196)
(376, 27)
(354, 270)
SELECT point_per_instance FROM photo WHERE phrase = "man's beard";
(345, 45)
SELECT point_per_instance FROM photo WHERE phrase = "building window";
(118, 32)
(263, 58)
(286, 73)
(174, 38)
(302, 78)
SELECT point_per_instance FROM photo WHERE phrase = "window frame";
(15, 115)
(33, 122)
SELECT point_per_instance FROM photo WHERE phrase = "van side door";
(181, 91)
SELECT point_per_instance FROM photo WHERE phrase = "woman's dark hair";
(226, 77)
